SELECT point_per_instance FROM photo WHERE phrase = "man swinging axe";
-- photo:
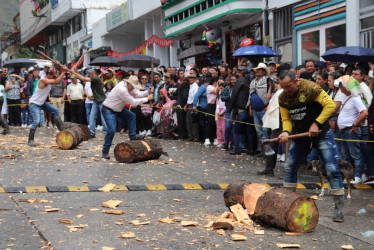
(38, 100)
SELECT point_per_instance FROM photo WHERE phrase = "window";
(283, 31)
(310, 45)
(367, 23)
(314, 41)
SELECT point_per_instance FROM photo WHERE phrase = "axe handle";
(80, 59)
(290, 137)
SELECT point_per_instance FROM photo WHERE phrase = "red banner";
(153, 39)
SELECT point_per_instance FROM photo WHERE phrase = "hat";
(167, 75)
(90, 71)
(31, 69)
(134, 81)
(120, 72)
(192, 75)
(242, 67)
(72, 76)
(272, 62)
(110, 70)
(343, 65)
(48, 64)
(321, 64)
(264, 67)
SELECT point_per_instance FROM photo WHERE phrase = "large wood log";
(251, 193)
(69, 138)
(234, 193)
(85, 129)
(286, 209)
(138, 150)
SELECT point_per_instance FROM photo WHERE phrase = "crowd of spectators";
(217, 106)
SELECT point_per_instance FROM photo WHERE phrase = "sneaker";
(283, 158)
(364, 178)
(219, 145)
(207, 142)
(215, 142)
(23, 126)
(356, 181)
(144, 132)
(370, 180)
(279, 157)
(100, 128)
(224, 147)
(29, 126)
(149, 133)
(137, 137)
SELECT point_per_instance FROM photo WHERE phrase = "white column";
(353, 23)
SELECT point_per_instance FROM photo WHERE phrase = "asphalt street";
(26, 224)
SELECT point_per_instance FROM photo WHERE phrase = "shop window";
(366, 3)
(310, 45)
(334, 37)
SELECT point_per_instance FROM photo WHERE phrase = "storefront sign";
(117, 17)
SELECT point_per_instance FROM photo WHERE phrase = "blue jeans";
(326, 149)
(110, 118)
(36, 113)
(228, 127)
(25, 115)
(88, 111)
(93, 116)
(364, 147)
(262, 133)
(352, 150)
(338, 134)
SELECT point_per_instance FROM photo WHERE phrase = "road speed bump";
(223, 185)
(156, 187)
(36, 189)
(2, 190)
(78, 189)
(192, 186)
(120, 188)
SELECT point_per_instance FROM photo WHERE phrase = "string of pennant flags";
(199, 111)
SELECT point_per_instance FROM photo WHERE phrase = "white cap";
(343, 65)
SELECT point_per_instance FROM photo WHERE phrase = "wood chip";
(210, 224)
(347, 247)
(73, 229)
(259, 232)
(315, 197)
(32, 200)
(240, 214)
(281, 245)
(111, 203)
(177, 200)
(292, 233)
(223, 224)
(189, 223)
(237, 237)
(107, 188)
(138, 223)
(166, 220)
(110, 211)
(80, 216)
(43, 201)
(51, 209)
(65, 221)
(119, 223)
(108, 248)
(221, 232)
(92, 209)
(127, 235)
(226, 215)
(140, 215)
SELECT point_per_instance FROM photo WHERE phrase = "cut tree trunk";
(84, 128)
(138, 150)
(283, 208)
(234, 193)
(251, 193)
(69, 138)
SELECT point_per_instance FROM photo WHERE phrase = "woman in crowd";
(200, 103)
(321, 80)
(14, 99)
(220, 115)
(182, 96)
(144, 122)
(211, 90)
(166, 122)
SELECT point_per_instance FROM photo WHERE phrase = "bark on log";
(84, 128)
(285, 209)
(69, 138)
(139, 150)
(234, 193)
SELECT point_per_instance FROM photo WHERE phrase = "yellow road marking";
(192, 186)
(36, 189)
(78, 189)
(156, 187)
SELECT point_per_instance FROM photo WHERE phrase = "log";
(234, 193)
(251, 193)
(138, 150)
(85, 129)
(283, 208)
(69, 138)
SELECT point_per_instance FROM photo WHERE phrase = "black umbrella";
(104, 61)
(138, 61)
(193, 51)
(19, 63)
(349, 54)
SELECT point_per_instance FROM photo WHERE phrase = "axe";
(269, 151)
(85, 50)
(41, 50)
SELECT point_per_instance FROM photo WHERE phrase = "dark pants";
(14, 112)
(211, 122)
(77, 111)
(182, 129)
(193, 126)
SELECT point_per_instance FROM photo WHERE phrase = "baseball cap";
(90, 71)
(272, 62)
(242, 67)
(120, 72)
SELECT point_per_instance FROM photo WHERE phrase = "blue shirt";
(200, 98)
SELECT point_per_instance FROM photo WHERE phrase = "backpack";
(226, 94)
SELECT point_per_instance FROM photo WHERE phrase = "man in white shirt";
(75, 95)
(124, 92)
(193, 129)
(352, 113)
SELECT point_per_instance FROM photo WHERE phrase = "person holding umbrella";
(38, 100)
